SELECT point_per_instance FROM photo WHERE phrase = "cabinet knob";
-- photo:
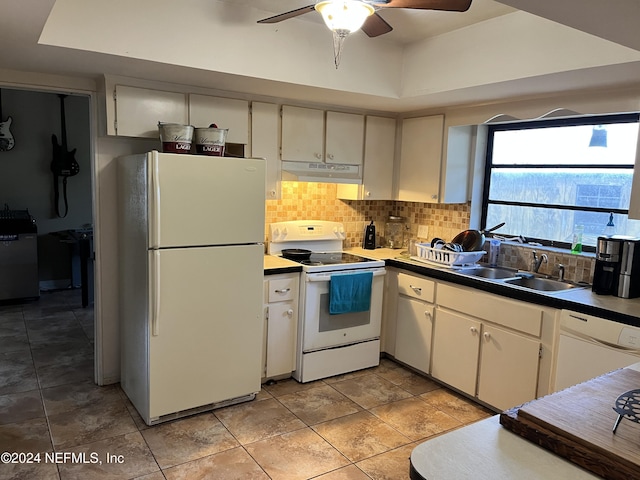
(473, 330)
(368, 194)
(330, 156)
(434, 197)
(415, 289)
(282, 290)
(487, 336)
(427, 314)
(317, 155)
(290, 312)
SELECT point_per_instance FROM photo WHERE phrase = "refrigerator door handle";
(155, 294)
(155, 201)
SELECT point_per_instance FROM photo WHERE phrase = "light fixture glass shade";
(344, 16)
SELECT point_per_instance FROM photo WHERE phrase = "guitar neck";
(63, 123)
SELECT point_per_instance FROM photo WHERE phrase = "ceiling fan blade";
(284, 16)
(375, 26)
(450, 5)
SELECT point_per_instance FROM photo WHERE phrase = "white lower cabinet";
(281, 324)
(498, 364)
(413, 333)
(508, 368)
(414, 321)
(456, 348)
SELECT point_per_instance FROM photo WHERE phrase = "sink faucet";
(537, 261)
(561, 272)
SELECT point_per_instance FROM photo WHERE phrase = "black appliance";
(18, 255)
(629, 279)
(607, 268)
(369, 242)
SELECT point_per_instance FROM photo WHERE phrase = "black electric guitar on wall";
(63, 164)
(6, 137)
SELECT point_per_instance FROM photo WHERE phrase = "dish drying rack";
(427, 254)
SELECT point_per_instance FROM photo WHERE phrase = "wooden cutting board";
(577, 423)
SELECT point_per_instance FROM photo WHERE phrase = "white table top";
(487, 451)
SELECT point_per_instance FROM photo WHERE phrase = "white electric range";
(329, 344)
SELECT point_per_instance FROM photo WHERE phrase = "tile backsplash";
(578, 268)
(318, 201)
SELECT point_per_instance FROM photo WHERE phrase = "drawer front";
(282, 289)
(416, 287)
(519, 316)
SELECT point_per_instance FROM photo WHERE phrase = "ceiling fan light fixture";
(344, 16)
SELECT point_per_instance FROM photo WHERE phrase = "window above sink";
(543, 177)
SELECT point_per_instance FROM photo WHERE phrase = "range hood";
(321, 172)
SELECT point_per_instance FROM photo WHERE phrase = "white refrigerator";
(191, 233)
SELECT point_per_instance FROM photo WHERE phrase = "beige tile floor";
(356, 426)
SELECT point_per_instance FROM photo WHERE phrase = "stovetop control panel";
(314, 235)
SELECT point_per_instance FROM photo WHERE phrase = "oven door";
(322, 330)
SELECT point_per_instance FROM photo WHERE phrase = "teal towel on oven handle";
(350, 292)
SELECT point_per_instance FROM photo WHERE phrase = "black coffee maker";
(369, 242)
(607, 270)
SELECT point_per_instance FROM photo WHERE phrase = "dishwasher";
(590, 346)
(18, 255)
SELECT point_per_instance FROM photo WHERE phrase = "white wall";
(107, 150)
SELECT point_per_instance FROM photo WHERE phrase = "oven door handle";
(321, 277)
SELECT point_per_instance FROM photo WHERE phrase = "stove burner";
(310, 263)
(332, 258)
(627, 406)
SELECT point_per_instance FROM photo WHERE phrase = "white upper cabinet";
(345, 137)
(302, 134)
(426, 175)
(304, 139)
(224, 112)
(138, 111)
(420, 157)
(264, 143)
(379, 150)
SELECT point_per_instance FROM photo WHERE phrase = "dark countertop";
(581, 300)
(274, 265)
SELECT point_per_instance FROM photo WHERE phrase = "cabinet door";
(281, 339)
(379, 151)
(345, 138)
(455, 350)
(224, 112)
(138, 110)
(421, 159)
(508, 368)
(413, 333)
(302, 134)
(264, 143)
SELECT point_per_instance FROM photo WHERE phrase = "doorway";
(27, 183)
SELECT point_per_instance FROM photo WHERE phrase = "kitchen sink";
(541, 284)
(494, 273)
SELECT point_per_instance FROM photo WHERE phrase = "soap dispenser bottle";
(369, 242)
(610, 229)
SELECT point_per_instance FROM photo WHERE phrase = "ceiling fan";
(374, 25)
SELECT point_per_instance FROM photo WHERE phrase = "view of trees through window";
(547, 176)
